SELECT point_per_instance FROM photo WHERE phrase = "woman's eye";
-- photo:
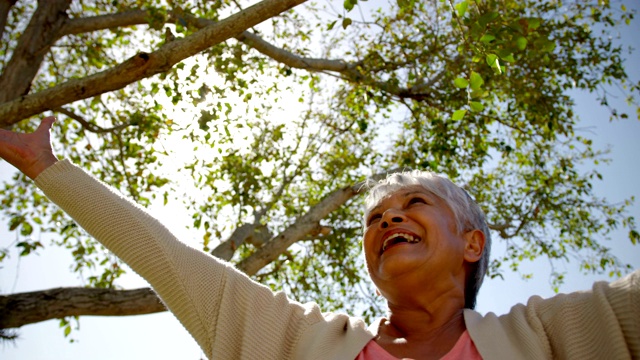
(417, 200)
(373, 218)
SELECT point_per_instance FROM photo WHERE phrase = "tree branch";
(87, 125)
(347, 70)
(305, 225)
(31, 307)
(33, 45)
(143, 65)
(102, 22)
(5, 7)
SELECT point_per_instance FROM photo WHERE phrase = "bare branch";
(141, 66)
(501, 229)
(87, 125)
(28, 308)
(102, 22)
(292, 60)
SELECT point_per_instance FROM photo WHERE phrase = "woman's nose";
(391, 216)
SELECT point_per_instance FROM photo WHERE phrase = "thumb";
(46, 123)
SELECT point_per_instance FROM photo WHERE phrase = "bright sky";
(160, 336)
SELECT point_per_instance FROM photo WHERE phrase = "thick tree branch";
(226, 248)
(138, 17)
(28, 308)
(32, 47)
(103, 22)
(305, 225)
(5, 7)
(143, 65)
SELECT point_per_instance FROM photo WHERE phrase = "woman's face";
(411, 237)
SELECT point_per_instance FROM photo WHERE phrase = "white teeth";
(408, 237)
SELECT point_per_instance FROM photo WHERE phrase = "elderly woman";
(426, 246)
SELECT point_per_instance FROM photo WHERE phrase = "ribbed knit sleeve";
(229, 315)
(603, 323)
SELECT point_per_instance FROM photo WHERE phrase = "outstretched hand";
(30, 153)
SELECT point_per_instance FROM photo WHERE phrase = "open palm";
(29, 153)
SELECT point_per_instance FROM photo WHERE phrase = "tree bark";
(33, 45)
(27, 308)
(143, 65)
(5, 7)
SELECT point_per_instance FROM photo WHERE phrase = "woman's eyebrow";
(417, 191)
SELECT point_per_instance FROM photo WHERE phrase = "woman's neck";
(421, 333)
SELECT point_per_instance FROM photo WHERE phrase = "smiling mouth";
(398, 238)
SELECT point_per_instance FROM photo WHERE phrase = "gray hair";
(467, 215)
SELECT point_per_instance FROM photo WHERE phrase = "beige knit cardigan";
(233, 317)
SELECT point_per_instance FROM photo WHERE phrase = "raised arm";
(228, 314)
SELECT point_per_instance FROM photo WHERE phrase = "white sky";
(160, 336)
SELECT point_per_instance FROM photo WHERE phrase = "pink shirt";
(463, 349)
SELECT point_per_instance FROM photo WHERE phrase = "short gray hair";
(467, 214)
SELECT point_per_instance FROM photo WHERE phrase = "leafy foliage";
(241, 136)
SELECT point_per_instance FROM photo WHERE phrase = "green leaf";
(15, 222)
(548, 46)
(458, 114)
(349, 4)
(491, 59)
(26, 229)
(331, 25)
(461, 8)
(634, 236)
(487, 38)
(521, 42)
(534, 23)
(461, 82)
(476, 81)
(346, 22)
(477, 93)
(476, 106)
(509, 58)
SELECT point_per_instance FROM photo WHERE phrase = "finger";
(46, 123)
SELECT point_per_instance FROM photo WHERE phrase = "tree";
(283, 121)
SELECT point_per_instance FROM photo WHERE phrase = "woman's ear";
(474, 245)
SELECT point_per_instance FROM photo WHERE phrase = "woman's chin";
(397, 262)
